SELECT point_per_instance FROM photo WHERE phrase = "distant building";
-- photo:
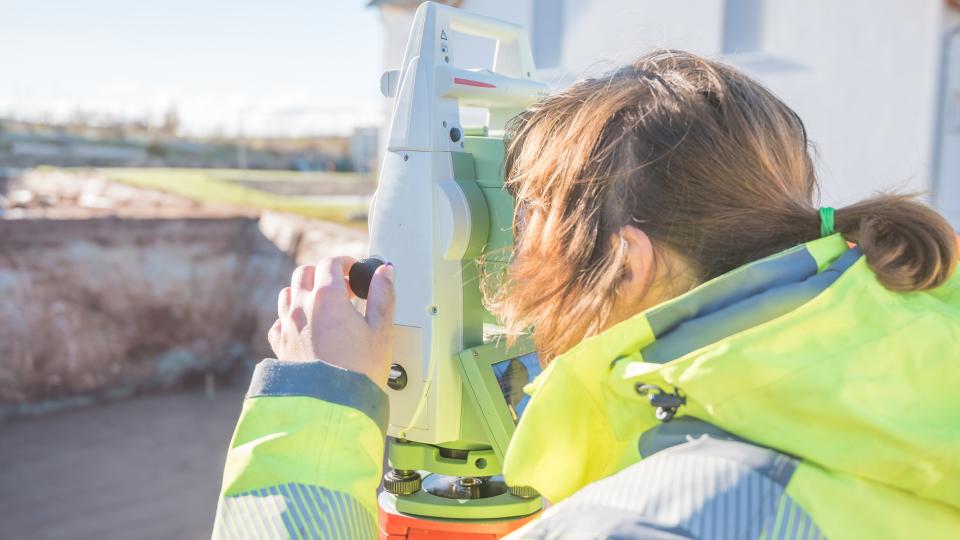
(364, 148)
(28, 144)
(877, 84)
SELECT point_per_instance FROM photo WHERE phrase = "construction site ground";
(147, 468)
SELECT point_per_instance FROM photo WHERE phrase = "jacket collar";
(579, 427)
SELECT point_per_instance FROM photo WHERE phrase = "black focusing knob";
(397, 378)
(360, 275)
(455, 134)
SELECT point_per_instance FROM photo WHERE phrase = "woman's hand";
(319, 322)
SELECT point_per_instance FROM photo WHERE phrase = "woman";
(724, 359)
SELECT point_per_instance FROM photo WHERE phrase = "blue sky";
(282, 67)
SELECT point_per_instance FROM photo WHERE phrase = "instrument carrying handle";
(513, 55)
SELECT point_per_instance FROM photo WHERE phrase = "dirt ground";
(148, 468)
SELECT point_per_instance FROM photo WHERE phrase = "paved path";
(147, 469)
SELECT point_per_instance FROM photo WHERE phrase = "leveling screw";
(402, 482)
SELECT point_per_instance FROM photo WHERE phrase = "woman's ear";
(640, 265)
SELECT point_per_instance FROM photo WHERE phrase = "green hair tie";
(826, 221)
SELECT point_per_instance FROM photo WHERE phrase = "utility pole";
(241, 147)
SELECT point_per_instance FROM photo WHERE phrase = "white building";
(877, 83)
(364, 148)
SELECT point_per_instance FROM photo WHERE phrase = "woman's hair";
(707, 162)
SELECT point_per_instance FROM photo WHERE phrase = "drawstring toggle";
(666, 404)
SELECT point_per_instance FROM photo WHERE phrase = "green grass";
(285, 176)
(213, 186)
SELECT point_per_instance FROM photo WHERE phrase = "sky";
(281, 67)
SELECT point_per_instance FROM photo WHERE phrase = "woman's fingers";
(320, 322)
(331, 273)
(302, 279)
(381, 299)
(273, 336)
(283, 303)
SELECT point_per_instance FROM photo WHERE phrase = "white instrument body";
(419, 219)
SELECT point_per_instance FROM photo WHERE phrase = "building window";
(547, 33)
(742, 26)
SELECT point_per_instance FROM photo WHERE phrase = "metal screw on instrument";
(402, 482)
(524, 492)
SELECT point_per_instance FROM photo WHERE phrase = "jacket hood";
(804, 352)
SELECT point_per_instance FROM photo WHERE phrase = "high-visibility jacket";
(794, 397)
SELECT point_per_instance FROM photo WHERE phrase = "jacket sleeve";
(306, 456)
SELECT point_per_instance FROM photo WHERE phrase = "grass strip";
(210, 187)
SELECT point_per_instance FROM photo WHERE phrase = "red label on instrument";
(470, 82)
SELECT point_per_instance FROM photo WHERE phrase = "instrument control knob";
(360, 275)
(397, 379)
(524, 492)
(401, 482)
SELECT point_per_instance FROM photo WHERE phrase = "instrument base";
(396, 525)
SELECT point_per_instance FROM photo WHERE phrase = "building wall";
(601, 35)
(946, 186)
(864, 76)
(364, 145)
(866, 86)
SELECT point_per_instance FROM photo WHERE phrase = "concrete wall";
(99, 307)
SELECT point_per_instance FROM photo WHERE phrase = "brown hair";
(708, 163)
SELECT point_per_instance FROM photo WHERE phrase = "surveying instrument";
(441, 215)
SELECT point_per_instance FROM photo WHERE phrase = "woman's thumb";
(381, 298)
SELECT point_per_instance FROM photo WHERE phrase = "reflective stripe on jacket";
(694, 481)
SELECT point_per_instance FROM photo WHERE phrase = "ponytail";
(907, 245)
